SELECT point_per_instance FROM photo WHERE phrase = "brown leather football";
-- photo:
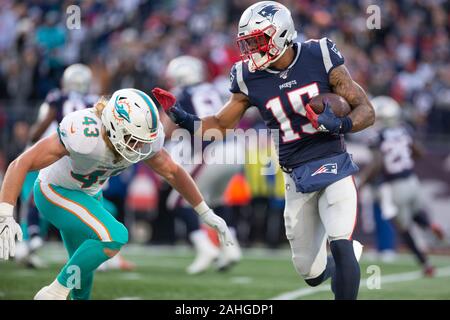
(338, 104)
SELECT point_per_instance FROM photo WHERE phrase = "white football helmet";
(266, 30)
(387, 110)
(185, 71)
(77, 77)
(131, 120)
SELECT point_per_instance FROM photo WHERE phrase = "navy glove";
(327, 121)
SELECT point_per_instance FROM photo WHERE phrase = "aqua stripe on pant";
(90, 233)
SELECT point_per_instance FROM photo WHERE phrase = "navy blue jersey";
(201, 99)
(281, 97)
(395, 145)
(65, 103)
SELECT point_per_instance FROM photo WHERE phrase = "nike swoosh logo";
(4, 228)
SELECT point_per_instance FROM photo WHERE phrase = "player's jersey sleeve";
(331, 55)
(79, 132)
(54, 98)
(237, 82)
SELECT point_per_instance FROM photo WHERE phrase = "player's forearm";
(13, 180)
(181, 181)
(36, 133)
(39, 156)
(211, 123)
(362, 114)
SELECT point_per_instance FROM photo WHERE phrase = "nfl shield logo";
(284, 74)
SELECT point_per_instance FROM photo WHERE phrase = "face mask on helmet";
(265, 31)
(258, 48)
(132, 148)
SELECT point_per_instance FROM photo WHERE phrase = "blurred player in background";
(279, 76)
(73, 96)
(187, 77)
(394, 152)
(90, 146)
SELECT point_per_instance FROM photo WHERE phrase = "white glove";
(9, 229)
(216, 222)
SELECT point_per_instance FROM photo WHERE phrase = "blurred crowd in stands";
(129, 43)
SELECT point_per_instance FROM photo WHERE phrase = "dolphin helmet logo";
(120, 109)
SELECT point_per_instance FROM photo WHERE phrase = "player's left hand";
(9, 229)
(327, 121)
(216, 222)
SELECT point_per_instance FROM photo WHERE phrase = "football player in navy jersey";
(394, 151)
(187, 76)
(279, 77)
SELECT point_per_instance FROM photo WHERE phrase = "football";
(338, 104)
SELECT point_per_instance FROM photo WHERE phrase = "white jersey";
(90, 162)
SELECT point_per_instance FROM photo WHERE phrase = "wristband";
(346, 125)
(202, 208)
(182, 118)
(6, 209)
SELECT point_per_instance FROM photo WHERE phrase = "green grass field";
(262, 274)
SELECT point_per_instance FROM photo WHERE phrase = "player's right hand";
(173, 109)
(9, 229)
(216, 222)
(165, 98)
(170, 105)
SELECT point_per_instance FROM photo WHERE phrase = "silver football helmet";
(185, 71)
(266, 30)
(77, 77)
(387, 110)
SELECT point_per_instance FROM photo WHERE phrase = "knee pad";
(119, 234)
(306, 268)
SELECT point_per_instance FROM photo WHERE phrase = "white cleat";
(46, 294)
(203, 260)
(230, 255)
(207, 252)
(357, 249)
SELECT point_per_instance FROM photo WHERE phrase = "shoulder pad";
(80, 131)
(237, 81)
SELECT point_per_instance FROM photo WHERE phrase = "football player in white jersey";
(73, 96)
(90, 146)
(187, 76)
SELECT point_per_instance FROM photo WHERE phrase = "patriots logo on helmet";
(269, 11)
(326, 168)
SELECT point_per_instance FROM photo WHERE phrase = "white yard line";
(241, 280)
(392, 278)
(130, 276)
